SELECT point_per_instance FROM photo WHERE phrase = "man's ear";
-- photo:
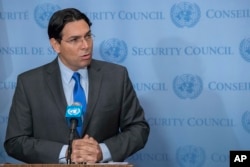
(55, 45)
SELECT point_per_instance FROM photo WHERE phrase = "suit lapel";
(54, 81)
(95, 78)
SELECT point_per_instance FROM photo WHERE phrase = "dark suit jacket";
(37, 127)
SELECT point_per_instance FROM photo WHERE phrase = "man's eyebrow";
(88, 32)
(74, 36)
(78, 36)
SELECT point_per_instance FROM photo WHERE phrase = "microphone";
(74, 115)
(74, 119)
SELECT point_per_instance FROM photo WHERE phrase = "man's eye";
(88, 36)
(73, 40)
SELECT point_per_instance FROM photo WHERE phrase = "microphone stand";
(73, 123)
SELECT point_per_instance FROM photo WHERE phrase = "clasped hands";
(85, 150)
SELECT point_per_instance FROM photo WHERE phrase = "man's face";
(75, 49)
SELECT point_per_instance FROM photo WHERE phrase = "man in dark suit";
(114, 126)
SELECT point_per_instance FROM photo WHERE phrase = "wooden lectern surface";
(64, 165)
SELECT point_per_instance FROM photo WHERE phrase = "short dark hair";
(60, 18)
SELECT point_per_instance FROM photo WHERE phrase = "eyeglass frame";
(76, 40)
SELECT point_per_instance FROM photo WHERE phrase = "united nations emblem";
(43, 13)
(185, 14)
(187, 86)
(113, 50)
(190, 156)
(245, 49)
(246, 121)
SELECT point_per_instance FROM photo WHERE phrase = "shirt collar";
(66, 73)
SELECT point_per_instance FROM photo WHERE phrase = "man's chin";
(86, 63)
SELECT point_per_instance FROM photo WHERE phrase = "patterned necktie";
(79, 96)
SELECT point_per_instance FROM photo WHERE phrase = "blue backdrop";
(189, 62)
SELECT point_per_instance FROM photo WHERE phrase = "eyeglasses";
(77, 40)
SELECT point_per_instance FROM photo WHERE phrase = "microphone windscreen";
(74, 112)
